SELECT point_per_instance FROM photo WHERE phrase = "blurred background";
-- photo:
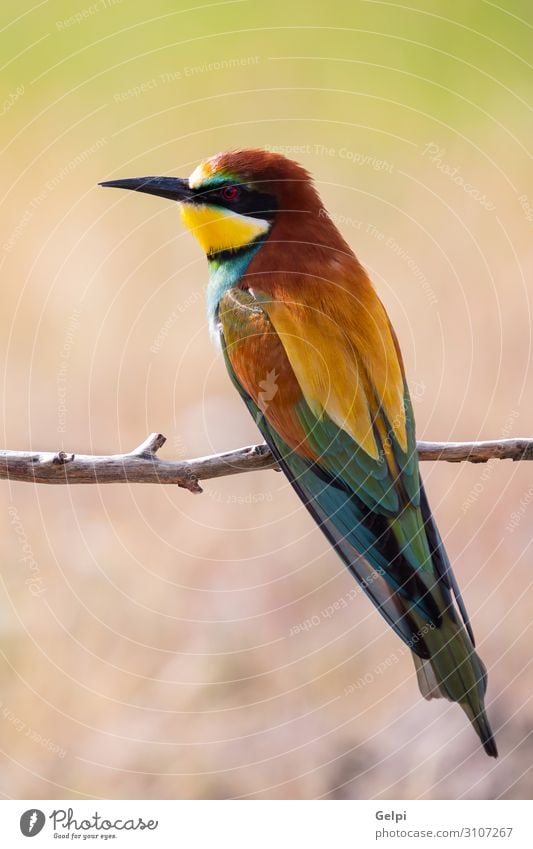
(155, 644)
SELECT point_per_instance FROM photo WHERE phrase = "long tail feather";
(455, 672)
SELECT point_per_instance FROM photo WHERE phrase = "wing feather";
(358, 503)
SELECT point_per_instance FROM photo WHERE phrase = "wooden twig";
(477, 452)
(142, 465)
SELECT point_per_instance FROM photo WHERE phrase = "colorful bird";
(310, 349)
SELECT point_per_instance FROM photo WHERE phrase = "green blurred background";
(151, 641)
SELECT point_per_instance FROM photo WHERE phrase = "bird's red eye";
(230, 192)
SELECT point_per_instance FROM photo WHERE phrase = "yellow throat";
(221, 229)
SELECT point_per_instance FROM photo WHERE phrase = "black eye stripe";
(248, 202)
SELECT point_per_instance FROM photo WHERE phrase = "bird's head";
(232, 200)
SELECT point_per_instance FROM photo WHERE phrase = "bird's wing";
(331, 401)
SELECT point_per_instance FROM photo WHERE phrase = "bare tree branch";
(477, 452)
(142, 465)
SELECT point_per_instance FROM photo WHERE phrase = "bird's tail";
(443, 648)
(455, 672)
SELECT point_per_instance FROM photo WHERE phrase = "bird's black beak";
(173, 188)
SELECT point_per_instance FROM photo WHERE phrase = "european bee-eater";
(290, 304)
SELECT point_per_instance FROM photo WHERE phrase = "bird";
(310, 349)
